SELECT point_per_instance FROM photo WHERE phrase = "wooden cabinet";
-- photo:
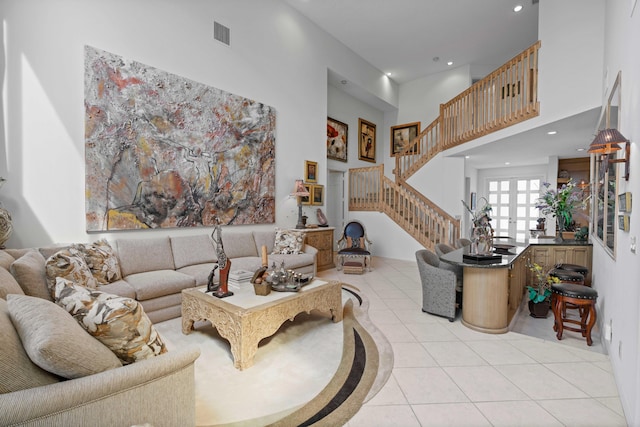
(517, 283)
(321, 238)
(548, 256)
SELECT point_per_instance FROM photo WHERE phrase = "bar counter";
(492, 293)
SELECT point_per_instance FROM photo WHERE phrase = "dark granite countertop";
(512, 253)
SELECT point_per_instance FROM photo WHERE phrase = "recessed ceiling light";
(580, 149)
(388, 74)
(518, 8)
(450, 63)
(466, 157)
(507, 163)
(552, 132)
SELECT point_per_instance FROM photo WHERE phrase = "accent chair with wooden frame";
(354, 244)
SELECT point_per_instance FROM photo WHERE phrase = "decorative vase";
(481, 241)
(6, 227)
(539, 310)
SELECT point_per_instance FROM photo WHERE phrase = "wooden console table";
(246, 318)
(321, 238)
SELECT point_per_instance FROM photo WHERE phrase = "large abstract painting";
(164, 151)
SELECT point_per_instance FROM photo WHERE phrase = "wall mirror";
(605, 190)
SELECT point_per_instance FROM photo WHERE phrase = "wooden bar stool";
(567, 276)
(577, 268)
(584, 298)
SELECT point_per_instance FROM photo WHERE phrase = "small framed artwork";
(366, 141)
(310, 171)
(401, 137)
(623, 222)
(317, 195)
(337, 133)
(306, 200)
(624, 202)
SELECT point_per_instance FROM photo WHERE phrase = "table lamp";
(300, 191)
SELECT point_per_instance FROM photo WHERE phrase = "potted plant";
(561, 203)
(540, 291)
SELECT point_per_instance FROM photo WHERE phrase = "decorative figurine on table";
(322, 220)
(224, 264)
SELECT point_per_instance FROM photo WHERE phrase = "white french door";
(514, 206)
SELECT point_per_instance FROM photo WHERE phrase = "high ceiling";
(402, 37)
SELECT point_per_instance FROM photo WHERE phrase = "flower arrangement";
(541, 289)
(560, 203)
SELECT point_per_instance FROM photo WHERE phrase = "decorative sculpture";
(224, 264)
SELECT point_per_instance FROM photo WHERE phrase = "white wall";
(617, 279)
(276, 57)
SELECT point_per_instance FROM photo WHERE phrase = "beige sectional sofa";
(154, 271)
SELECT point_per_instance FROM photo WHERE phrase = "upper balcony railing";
(507, 96)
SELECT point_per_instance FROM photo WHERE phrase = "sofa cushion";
(17, 371)
(200, 272)
(238, 245)
(293, 262)
(6, 259)
(192, 250)
(120, 288)
(120, 323)
(30, 273)
(140, 255)
(102, 261)
(288, 242)
(264, 238)
(55, 341)
(8, 284)
(153, 284)
(70, 264)
(249, 263)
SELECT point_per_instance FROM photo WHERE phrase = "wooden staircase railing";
(507, 96)
(370, 190)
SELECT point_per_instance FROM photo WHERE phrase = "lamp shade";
(299, 189)
(606, 142)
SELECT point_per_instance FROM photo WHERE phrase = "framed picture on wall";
(337, 133)
(624, 202)
(310, 171)
(623, 222)
(306, 200)
(366, 141)
(317, 195)
(402, 136)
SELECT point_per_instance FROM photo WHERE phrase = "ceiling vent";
(221, 33)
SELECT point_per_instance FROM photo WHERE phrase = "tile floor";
(447, 374)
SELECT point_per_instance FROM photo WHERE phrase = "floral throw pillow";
(288, 242)
(119, 323)
(102, 261)
(68, 264)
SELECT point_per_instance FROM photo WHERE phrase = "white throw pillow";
(288, 242)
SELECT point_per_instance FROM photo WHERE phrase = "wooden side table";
(321, 238)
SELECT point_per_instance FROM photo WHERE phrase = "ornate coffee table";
(246, 318)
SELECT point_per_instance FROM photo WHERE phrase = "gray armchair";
(438, 286)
